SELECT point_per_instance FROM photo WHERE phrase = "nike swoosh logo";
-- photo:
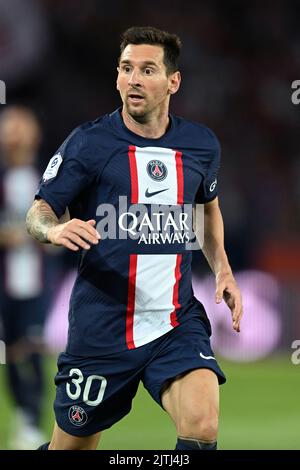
(148, 194)
(206, 357)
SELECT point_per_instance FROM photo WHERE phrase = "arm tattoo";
(40, 218)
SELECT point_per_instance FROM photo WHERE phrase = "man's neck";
(154, 128)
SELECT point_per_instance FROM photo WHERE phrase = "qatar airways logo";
(155, 224)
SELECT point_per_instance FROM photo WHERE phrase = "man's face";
(142, 79)
(19, 135)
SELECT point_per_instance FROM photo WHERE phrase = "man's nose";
(135, 78)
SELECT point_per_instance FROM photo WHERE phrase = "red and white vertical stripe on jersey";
(133, 175)
(141, 182)
(173, 316)
(153, 287)
(179, 170)
(152, 297)
(131, 301)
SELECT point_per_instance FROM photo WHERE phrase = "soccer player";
(23, 299)
(127, 179)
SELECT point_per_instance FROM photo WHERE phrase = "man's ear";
(118, 70)
(174, 82)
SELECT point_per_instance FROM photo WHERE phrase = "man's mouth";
(135, 97)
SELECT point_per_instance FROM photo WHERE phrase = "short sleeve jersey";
(135, 285)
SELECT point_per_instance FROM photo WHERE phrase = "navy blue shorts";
(93, 393)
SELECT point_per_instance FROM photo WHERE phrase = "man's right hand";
(74, 234)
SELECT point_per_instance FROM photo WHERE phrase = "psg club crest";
(77, 415)
(157, 170)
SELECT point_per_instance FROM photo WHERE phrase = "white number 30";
(78, 380)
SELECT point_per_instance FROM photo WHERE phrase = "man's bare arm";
(43, 225)
(213, 246)
(40, 218)
(214, 251)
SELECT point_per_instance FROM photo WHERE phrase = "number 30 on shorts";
(78, 379)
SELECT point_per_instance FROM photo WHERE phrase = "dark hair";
(170, 43)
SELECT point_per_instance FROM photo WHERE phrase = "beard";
(138, 113)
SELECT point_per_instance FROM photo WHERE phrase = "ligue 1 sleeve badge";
(157, 170)
(77, 415)
(53, 167)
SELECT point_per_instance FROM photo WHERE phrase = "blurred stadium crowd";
(239, 59)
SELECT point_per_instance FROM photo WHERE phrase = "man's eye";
(148, 71)
(126, 68)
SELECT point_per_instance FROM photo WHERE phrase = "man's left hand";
(227, 289)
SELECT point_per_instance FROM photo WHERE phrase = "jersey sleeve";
(67, 174)
(208, 189)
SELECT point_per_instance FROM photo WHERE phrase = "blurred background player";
(23, 299)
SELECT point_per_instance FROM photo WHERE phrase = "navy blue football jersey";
(135, 285)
